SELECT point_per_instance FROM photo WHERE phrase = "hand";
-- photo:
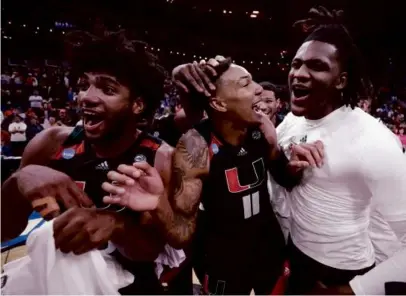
(268, 129)
(198, 75)
(137, 187)
(43, 186)
(80, 230)
(306, 155)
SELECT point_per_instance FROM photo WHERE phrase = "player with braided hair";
(330, 209)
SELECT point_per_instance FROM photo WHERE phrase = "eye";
(83, 85)
(109, 90)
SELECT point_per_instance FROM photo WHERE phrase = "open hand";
(306, 155)
(137, 187)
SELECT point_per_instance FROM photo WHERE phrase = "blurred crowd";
(33, 99)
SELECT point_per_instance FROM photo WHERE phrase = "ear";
(138, 106)
(218, 104)
(278, 103)
(342, 81)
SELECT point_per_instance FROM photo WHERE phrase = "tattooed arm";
(177, 211)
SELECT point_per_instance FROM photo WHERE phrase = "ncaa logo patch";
(140, 157)
(256, 135)
(215, 148)
(68, 153)
(156, 134)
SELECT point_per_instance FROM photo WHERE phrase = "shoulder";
(44, 145)
(163, 161)
(192, 141)
(192, 153)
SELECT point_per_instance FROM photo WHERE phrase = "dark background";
(196, 29)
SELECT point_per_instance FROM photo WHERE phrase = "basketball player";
(222, 164)
(122, 83)
(364, 170)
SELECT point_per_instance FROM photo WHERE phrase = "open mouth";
(300, 92)
(92, 119)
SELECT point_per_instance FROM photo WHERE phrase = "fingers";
(312, 153)
(181, 86)
(146, 167)
(220, 58)
(213, 62)
(113, 189)
(130, 171)
(194, 70)
(120, 178)
(80, 196)
(206, 79)
(113, 199)
(297, 164)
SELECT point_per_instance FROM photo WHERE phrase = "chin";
(298, 111)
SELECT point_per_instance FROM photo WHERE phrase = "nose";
(301, 74)
(258, 89)
(89, 98)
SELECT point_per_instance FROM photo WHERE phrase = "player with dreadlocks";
(363, 168)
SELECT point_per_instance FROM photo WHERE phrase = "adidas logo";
(103, 166)
(242, 152)
(303, 140)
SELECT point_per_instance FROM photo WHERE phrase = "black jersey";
(78, 160)
(240, 225)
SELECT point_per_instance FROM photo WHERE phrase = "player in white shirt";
(363, 169)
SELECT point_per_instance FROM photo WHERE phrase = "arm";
(15, 209)
(177, 211)
(384, 172)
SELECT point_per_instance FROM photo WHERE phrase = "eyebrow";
(244, 77)
(103, 79)
(312, 60)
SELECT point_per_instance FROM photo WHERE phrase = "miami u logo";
(233, 182)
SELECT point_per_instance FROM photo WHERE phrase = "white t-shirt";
(17, 137)
(35, 101)
(330, 209)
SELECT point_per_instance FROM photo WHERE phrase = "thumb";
(298, 164)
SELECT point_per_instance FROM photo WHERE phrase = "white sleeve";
(373, 282)
(384, 167)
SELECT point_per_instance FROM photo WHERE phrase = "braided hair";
(326, 26)
(128, 60)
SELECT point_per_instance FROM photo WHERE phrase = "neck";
(229, 131)
(323, 112)
(114, 147)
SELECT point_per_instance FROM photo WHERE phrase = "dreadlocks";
(326, 26)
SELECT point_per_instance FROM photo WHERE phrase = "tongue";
(93, 121)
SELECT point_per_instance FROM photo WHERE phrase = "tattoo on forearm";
(178, 175)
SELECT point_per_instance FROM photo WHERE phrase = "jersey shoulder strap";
(149, 141)
(204, 128)
(75, 137)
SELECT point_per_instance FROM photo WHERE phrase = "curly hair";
(127, 60)
(327, 26)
